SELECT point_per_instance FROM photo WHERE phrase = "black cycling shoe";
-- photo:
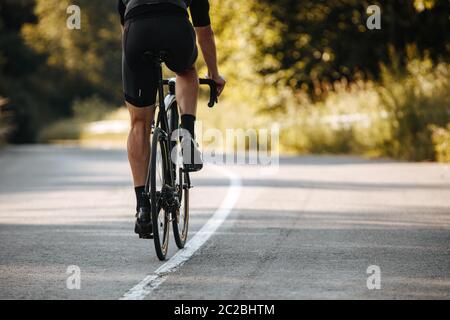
(192, 156)
(143, 226)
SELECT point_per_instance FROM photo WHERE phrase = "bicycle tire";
(160, 220)
(180, 222)
(181, 217)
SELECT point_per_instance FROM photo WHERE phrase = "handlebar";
(213, 97)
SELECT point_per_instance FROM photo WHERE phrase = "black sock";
(188, 123)
(141, 197)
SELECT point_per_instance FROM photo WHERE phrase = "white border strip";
(153, 281)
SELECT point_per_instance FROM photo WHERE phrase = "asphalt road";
(309, 231)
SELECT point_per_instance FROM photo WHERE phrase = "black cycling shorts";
(173, 34)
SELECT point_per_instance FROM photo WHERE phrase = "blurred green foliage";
(396, 118)
(84, 111)
(45, 67)
(315, 42)
(284, 60)
(5, 125)
(63, 130)
(441, 141)
(92, 53)
(415, 100)
(91, 109)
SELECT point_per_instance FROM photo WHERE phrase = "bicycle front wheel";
(181, 217)
(180, 222)
(158, 178)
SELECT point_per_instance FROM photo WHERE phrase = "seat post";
(157, 60)
(158, 70)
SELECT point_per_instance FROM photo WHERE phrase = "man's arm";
(207, 43)
(205, 35)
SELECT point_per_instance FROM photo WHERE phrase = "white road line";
(153, 281)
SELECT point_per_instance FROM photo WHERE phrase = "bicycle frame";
(162, 120)
(162, 116)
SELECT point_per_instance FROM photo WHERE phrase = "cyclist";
(162, 25)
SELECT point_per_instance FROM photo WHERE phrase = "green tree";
(17, 63)
(92, 53)
(45, 66)
(323, 41)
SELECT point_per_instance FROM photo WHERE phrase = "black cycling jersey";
(199, 9)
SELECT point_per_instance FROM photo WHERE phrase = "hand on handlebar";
(220, 81)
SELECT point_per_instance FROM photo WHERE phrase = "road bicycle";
(168, 184)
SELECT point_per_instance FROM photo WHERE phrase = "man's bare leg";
(139, 142)
(139, 157)
(187, 91)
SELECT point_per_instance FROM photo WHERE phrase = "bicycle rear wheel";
(158, 178)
